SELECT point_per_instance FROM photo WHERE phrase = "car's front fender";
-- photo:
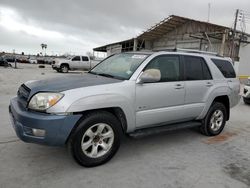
(102, 101)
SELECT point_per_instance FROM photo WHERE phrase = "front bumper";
(57, 127)
(55, 67)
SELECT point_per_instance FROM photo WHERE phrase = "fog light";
(38, 132)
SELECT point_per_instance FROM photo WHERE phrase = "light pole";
(14, 58)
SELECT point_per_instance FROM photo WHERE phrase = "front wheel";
(215, 120)
(96, 139)
(64, 68)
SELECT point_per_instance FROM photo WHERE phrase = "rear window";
(225, 67)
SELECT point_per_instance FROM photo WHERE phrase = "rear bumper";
(57, 127)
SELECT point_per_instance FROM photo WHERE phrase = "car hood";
(63, 60)
(68, 82)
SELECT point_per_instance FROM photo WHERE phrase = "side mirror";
(150, 76)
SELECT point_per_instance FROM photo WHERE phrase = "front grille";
(245, 91)
(23, 94)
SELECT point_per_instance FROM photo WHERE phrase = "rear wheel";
(64, 68)
(215, 120)
(96, 139)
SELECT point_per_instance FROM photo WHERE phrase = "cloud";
(79, 25)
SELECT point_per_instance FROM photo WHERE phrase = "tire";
(246, 101)
(85, 136)
(41, 66)
(215, 120)
(64, 68)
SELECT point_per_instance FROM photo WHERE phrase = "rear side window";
(85, 58)
(206, 71)
(196, 68)
(225, 67)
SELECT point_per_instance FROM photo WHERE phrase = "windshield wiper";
(102, 74)
(106, 75)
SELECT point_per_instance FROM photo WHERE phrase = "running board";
(166, 128)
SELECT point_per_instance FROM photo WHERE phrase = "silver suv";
(128, 93)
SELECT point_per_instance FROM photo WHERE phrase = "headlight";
(43, 101)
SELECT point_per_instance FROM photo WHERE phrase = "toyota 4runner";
(128, 93)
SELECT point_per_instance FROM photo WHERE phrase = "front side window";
(120, 66)
(168, 65)
(225, 67)
(76, 58)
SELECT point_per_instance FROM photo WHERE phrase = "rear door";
(198, 82)
(85, 63)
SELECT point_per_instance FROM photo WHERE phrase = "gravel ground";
(175, 159)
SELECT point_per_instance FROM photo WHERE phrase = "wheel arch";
(64, 64)
(116, 111)
(224, 99)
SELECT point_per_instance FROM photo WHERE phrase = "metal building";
(180, 32)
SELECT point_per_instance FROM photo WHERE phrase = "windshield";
(120, 66)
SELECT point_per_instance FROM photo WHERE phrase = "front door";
(162, 102)
(75, 62)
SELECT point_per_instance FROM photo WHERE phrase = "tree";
(44, 46)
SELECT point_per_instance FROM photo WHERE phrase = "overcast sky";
(77, 26)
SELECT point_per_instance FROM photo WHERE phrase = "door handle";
(209, 84)
(179, 86)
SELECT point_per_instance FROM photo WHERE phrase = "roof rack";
(191, 51)
(196, 51)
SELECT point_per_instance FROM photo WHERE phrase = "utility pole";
(234, 33)
(208, 15)
(14, 57)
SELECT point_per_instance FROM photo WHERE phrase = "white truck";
(74, 63)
